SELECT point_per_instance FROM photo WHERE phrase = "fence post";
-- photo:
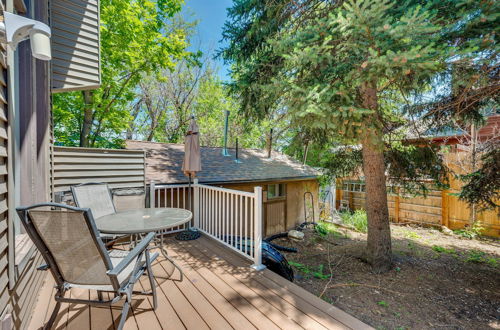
(258, 229)
(196, 202)
(152, 189)
(396, 206)
(444, 208)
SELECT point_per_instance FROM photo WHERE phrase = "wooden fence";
(438, 208)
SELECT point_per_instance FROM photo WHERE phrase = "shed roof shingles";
(164, 163)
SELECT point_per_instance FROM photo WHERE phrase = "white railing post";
(152, 190)
(258, 229)
(196, 202)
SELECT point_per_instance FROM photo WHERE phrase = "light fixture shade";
(40, 45)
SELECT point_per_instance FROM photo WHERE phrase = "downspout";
(226, 128)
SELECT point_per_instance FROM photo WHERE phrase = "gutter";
(288, 179)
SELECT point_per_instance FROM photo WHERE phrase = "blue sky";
(211, 15)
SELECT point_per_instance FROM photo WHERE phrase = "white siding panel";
(75, 45)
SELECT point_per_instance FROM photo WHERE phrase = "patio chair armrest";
(132, 255)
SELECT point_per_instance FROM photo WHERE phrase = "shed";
(286, 182)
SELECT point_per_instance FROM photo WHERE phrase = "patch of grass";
(324, 229)
(356, 220)
(480, 257)
(412, 235)
(382, 303)
(310, 272)
(441, 249)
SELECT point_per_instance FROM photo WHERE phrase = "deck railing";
(177, 196)
(232, 217)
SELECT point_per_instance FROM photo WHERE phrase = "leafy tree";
(137, 37)
(165, 104)
(340, 68)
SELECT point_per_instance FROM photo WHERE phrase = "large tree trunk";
(379, 253)
(269, 143)
(87, 120)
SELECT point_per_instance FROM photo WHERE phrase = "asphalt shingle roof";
(164, 163)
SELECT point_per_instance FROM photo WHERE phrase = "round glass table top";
(142, 220)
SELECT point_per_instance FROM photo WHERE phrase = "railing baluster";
(226, 216)
(230, 217)
(241, 216)
(252, 220)
(246, 225)
(164, 197)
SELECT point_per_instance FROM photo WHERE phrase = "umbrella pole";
(189, 195)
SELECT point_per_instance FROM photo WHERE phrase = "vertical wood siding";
(118, 168)
(75, 44)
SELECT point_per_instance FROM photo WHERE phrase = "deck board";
(219, 291)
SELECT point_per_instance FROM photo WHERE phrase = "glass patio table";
(140, 222)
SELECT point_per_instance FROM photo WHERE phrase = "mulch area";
(438, 281)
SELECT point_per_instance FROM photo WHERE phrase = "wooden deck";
(219, 291)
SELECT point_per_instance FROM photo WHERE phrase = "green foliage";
(382, 303)
(482, 187)
(412, 235)
(309, 272)
(477, 256)
(357, 220)
(441, 249)
(324, 229)
(471, 232)
(137, 37)
(408, 164)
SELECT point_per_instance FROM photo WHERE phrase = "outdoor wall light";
(17, 28)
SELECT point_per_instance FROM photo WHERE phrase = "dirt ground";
(437, 282)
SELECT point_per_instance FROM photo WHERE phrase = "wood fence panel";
(438, 208)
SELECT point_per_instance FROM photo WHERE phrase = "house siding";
(75, 45)
(19, 291)
(4, 256)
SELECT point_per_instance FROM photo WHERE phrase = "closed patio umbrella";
(192, 157)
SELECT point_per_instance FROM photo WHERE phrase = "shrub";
(356, 220)
(471, 232)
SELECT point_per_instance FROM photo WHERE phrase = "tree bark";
(269, 143)
(379, 251)
(87, 119)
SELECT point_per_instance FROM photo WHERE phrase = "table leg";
(160, 245)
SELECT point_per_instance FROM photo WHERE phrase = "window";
(276, 191)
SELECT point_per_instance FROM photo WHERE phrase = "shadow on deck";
(219, 291)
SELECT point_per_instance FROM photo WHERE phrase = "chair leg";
(53, 316)
(99, 295)
(151, 280)
(123, 318)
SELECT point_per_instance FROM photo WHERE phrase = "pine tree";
(340, 68)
